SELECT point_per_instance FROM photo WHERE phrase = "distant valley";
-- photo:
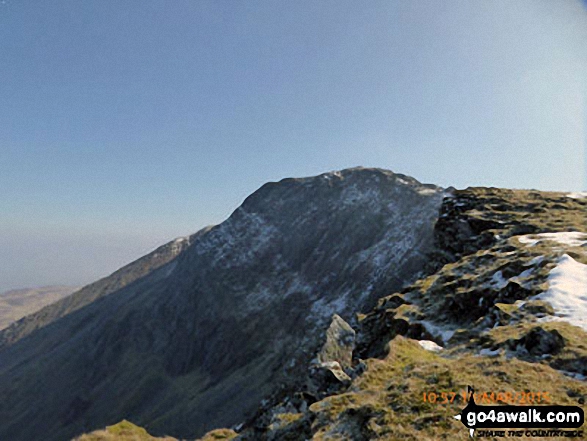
(17, 303)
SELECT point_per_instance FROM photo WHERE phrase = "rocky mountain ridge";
(488, 312)
(493, 312)
(198, 341)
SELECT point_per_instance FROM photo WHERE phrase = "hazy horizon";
(126, 125)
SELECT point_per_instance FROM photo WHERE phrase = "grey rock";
(327, 378)
(339, 344)
(539, 342)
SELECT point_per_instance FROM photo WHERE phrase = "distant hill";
(17, 303)
(43, 316)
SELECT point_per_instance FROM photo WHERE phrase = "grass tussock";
(123, 431)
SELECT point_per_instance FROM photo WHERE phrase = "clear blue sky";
(126, 123)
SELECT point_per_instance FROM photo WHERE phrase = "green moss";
(219, 434)
(123, 431)
(390, 396)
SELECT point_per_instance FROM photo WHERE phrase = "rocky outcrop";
(339, 344)
(329, 372)
(479, 217)
(539, 342)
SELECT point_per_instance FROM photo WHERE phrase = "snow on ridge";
(535, 261)
(570, 238)
(568, 291)
(352, 195)
(489, 353)
(176, 244)
(430, 345)
(577, 195)
(251, 232)
(437, 330)
(523, 275)
(428, 191)
(498, 281)
(323, 308)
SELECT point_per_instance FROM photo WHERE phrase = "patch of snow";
(567, 292)
(382, 257)
(266, 293)
(322, 308)
(536, 261)
(570, 238)
(520, 303)
(430, 345)
(489, 353)
(177, 244)
(578, 195)
(297, 285)
(335, 174)
(401, 181)
(352, 195)
(498, 281)
(259, 298)
(427, 191)
(441, 331)
(524, 274)
(251, 234)
(411, 297)
(575, 375)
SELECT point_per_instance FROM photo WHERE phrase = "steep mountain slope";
(88, 294)
(504, 309)
(198, 342)
(17, 303)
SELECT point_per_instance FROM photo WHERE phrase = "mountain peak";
(343, 186)
(232, 313)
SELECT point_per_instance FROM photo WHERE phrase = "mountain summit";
(197, 341)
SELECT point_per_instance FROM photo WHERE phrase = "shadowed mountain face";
(60, 307)
(197, 342)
